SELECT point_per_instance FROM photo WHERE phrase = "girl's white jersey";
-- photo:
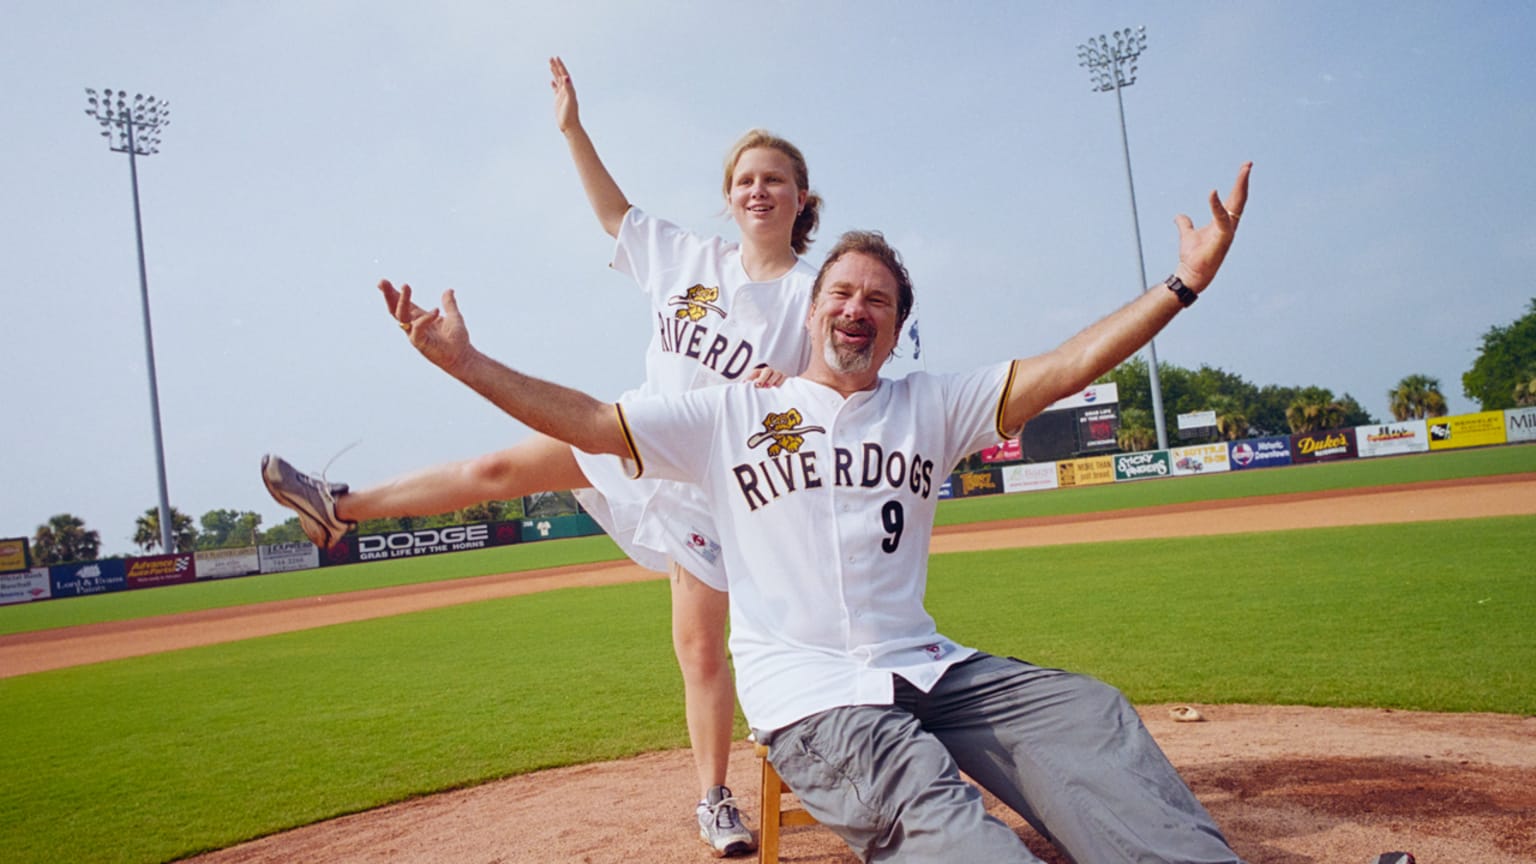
(711, 324)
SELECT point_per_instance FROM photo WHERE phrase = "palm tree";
(1416, 397)
(1232, 425)
(1136, 434)
(146, 532)
(65, 538)
(1231, 420)
(1314, 415)
(1525, 388)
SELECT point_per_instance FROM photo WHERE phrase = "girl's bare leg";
(540, 464)
(699, 615)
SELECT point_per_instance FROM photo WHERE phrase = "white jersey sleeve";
(678, 433)
(651, 250)
(975, 408)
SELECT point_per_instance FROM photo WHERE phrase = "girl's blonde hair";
(810, 214)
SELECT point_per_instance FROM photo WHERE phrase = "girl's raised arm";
(605, 196)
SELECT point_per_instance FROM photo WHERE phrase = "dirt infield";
(1288, 785)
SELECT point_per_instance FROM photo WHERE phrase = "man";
(824, 491)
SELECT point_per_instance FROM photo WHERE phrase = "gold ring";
(404, 326)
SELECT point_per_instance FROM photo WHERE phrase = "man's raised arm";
(559, 412)
(1041, 380)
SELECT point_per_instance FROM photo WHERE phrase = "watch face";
(1181, 291)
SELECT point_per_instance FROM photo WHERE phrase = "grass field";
(154, 758)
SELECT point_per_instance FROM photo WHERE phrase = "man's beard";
(845, 361)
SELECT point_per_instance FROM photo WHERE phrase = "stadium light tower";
(1111, 66)
(134, 128)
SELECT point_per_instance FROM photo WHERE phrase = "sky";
(317, 146)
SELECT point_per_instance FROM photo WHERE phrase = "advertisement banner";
(1519, 424)
(92, 577)
(1197, 424)
(1093, 394)
(1466, 430)
(947, 488)
(161, 570)
(1392, 439)
(431, 541)
(1008, 451)
(1097, 428)
(13, 554)
(1260, 452)
(1323, 446)
(225, 563)
(1199, 459)
(1091, 471)
(1028, 478)
(976, 483)
(1197, 420)
(1140, 466)
(287, 557)
(24, 586)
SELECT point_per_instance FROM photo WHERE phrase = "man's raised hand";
(1202, 250)
(440, 335)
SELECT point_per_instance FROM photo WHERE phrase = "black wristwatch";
(1180, 290)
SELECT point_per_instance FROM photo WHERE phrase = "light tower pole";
(134, 128)
(1112, 66)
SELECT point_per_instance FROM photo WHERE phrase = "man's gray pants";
(1065, 751)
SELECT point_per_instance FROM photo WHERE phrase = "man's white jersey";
(825, 509)
(710, 324)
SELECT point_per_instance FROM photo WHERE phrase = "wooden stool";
(773, 816)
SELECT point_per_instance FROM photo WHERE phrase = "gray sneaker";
(720, 824)
(312, 498)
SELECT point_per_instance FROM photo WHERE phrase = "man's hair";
(805, 223)
(871, 243)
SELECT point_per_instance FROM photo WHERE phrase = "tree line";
(1502, 376)
(1245, 410)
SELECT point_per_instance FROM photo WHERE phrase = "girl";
(722, 312)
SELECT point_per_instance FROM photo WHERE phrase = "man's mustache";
(855, 328)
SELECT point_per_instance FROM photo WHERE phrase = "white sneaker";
(720, 824)
(312, 498)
